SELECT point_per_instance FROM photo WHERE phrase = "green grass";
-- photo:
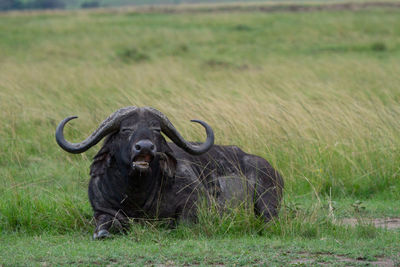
(154, 249)
(317, 94)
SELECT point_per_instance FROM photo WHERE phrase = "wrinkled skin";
(159, 180)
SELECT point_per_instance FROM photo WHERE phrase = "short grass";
(315, 93)
(169, 250)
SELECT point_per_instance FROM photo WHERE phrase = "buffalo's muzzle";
(143, 154)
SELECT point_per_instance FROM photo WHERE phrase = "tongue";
(147, 158)
(143, 158)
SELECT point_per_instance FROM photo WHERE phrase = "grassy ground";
(74, 249)
(316, 93)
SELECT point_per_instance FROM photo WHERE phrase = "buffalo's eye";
(156, 129)
(126, 130)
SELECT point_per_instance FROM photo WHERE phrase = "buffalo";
(138, 175)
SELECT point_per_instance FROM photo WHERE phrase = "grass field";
(315, 93)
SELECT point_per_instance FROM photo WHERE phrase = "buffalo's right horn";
(173, 134)
(109, 125)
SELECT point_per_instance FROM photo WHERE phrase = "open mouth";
(142, 162)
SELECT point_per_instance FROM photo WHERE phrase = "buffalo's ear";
(168, 164)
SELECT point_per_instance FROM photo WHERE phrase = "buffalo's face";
(141, 142)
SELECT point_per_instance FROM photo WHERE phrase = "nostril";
(144, 146)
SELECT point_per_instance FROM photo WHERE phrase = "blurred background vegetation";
(73, 4)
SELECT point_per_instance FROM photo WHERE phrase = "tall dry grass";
(318, 101)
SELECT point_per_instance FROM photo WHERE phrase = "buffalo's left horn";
(109, 125)
(173, 134)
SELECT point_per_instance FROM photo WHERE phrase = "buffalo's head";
(135, 138)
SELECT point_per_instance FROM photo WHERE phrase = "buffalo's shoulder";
(100, 162)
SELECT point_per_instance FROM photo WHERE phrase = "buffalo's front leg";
(105, 225)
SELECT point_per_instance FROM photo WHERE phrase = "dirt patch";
(387, 223)
(309, 258)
